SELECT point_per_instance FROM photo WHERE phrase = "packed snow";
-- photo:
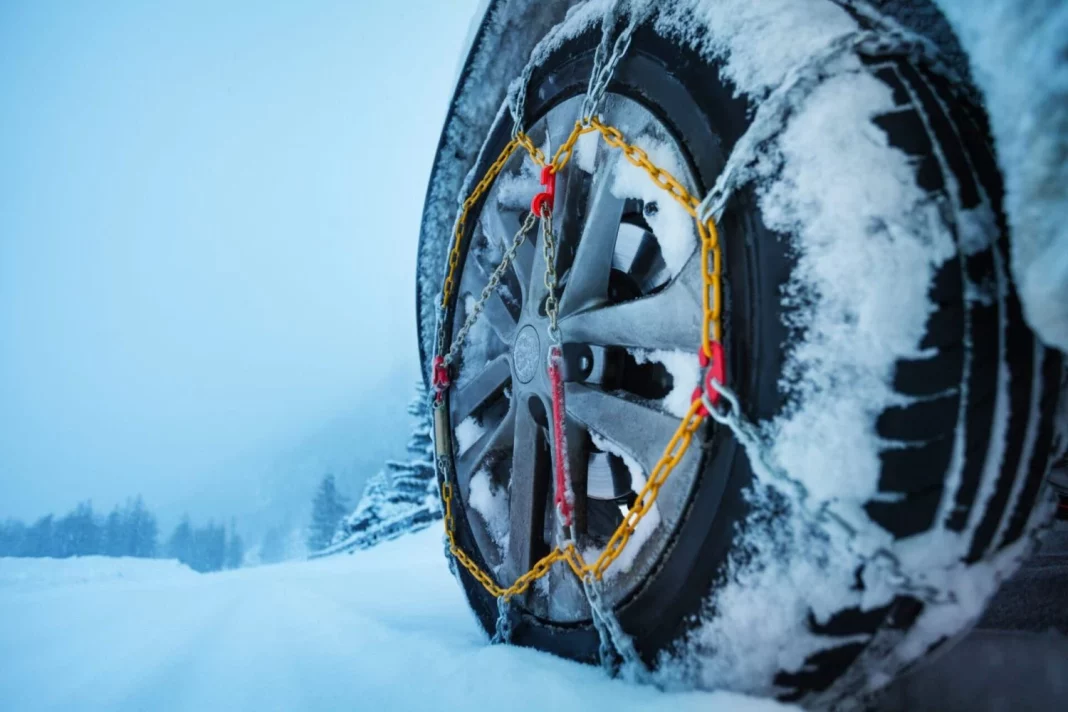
(386, 628)
(491, 501)
(760, 42)
(467, 433)
(675, 230)
(645, 529)
(685, 370)
(29, 575)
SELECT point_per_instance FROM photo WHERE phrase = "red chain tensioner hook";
(439, 378)
(545, 199)
(715, 369)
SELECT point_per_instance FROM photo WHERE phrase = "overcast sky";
(208, 224)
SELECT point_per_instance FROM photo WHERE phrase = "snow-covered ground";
(28, 575)
(385, 628)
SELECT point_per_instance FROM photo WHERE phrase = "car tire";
(966, 428)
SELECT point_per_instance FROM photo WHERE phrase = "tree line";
(129, 530)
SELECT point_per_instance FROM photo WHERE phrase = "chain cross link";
(502, 633)
(604, 64)
(552, 304)
(614, 641)
(489, 289)
(748, 436)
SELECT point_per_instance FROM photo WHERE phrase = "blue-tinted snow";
(385, 628)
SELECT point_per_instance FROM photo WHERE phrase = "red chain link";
(715, 369)
(564, 499)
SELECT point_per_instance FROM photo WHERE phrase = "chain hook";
(714, 370)
(543, 202)
(440, 378)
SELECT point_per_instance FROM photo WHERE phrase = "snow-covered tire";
(872, 333)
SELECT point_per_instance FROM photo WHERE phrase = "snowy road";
(382, 629)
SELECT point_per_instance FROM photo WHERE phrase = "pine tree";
(327, 510)
(180, 545)
(78, 533)
(410, 479)
(113, 543)
(63, 536)
(403, 496)
(38, 541)
(373, 505)
(235, 549)
(12, 538)
(420, 444)
(272, 548)
(141, 530)
(209, 548)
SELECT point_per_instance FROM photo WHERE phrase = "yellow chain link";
(461, 223)
(711, 330)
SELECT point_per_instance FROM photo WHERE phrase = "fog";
(208, 225)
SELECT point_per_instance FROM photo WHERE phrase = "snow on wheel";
(898, 417)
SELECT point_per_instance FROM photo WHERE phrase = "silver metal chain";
(610, 50)
(605, 63)
(502, 633)
(449, 558)
(489, 289)
(548, 246)
(518, 100)
(614, 641)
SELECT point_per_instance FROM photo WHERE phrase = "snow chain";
(710, 352)
(590, 574)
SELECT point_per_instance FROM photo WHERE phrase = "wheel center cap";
(525, 354)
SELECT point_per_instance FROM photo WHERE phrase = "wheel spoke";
(498, 438)
(587, 283)
(561, 122)
(578, 461)
(500, 319)
(501, 227)
(527, 494)
(669, 319)
(639, 431)
(478, 390)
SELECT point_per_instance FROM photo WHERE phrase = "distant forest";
(130, 530)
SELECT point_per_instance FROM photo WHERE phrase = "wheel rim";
(630, 301)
